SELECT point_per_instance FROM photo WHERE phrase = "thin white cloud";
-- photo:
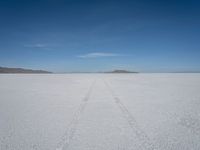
(38, 45)
(98, 54)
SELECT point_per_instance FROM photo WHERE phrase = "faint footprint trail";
(141, 135)
(65, 141)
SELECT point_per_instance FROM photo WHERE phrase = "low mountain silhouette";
(121, 71)
(20, 70)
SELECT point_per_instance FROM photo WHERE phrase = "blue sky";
(90, 35)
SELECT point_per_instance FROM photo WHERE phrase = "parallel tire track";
(65, 141)
(141, 135)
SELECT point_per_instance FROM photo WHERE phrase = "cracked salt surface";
(100, 112)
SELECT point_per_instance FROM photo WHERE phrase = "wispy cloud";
(38, 45)
(98, 54)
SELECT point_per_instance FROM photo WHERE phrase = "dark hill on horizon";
(21, 70)
(121, 71)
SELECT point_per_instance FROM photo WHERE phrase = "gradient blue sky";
(90, 35)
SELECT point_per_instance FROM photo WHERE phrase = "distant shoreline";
(8, 70)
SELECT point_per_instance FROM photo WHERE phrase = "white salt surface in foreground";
(100, 112)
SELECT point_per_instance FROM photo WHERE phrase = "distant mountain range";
(121, 71)
(21, 70)
(114, 71)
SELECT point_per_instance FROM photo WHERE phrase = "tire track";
(69, 134)
(141, 135)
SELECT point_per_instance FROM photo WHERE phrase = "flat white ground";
(100, 112)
